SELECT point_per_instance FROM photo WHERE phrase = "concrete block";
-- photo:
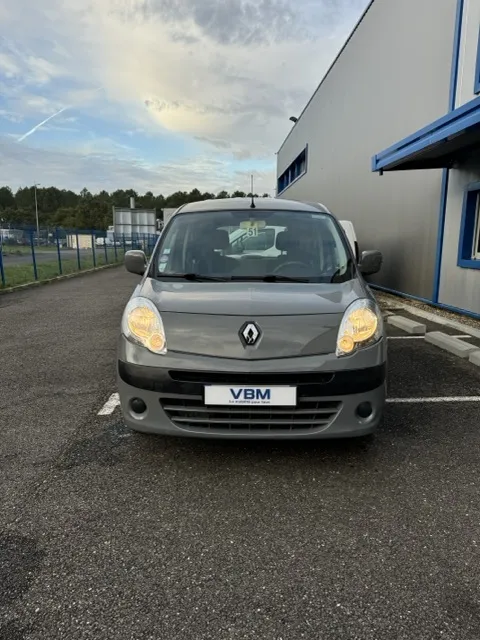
(453, 345)
(410, 326)
(475, 357)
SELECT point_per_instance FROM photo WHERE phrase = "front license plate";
(235, 395)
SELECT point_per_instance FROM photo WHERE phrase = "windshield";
(254, 245)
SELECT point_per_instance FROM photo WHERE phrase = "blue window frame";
(293, 172)
(469, 245)
(476, 86)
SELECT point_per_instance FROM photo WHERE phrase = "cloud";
(224, 74)
(40, 71)
(105, 165)
(10, 116)
(20, 62)
(39, 104)
(8, 66)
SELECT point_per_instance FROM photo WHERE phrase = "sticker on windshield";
(164, 258)
(252, 226)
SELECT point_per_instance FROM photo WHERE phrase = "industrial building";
(132, 222)
(391, 140)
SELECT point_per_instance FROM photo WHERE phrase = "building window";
(293, 172)
(476, 244)
(476, 86)
(469, 245)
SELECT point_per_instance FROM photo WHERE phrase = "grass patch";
(22, 250)
(17, 274)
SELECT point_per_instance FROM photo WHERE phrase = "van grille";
(190, 413)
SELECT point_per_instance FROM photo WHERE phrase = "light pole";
(36, 184)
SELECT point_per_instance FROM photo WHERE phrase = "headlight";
(142, 324)
(361, 326)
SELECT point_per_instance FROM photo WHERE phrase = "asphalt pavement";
(105, 534)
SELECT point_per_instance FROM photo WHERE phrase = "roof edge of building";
(330, 68)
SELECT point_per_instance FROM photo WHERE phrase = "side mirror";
(370, 262)
(135, 262)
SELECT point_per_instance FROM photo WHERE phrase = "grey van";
(224, 337)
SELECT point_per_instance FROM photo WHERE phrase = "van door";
(352, 237)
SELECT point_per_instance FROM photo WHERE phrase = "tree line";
(86, 210)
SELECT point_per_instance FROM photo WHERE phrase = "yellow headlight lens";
(346, 343)
(363, 323)
(143, 324)
(156, 342)
(358, 326)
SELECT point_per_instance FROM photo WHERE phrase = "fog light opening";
(138, 406)
(364, 410)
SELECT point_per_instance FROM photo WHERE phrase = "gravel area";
(390, 302)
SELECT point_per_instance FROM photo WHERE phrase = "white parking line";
(434, 399)
(114, 401)
(109, 406)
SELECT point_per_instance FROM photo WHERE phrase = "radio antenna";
(252, 204)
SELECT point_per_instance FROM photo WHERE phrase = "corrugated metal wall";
(392, 79)
(460, 287)
(467, 60)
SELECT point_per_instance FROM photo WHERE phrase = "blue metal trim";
(59, 254)
(469, 264)
(422, 133)
(2, 272)
(440, 235)
(456, 55)
(295, 161)
(439, 131)
(34, 261)
(446, 172)
(467, 227)
(291, 183)
(78, 251)
(476, 84)
(438, 305)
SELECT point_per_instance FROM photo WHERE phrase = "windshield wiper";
(338, 272)
(271, 277)
(198, 277)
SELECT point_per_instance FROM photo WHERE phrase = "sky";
(158, 95)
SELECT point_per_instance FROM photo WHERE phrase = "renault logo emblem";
(250, 334)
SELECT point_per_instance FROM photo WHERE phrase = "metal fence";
(27, 256)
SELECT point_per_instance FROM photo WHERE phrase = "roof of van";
(244, 203)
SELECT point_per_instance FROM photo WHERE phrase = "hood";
(293, 319)
(252, 298)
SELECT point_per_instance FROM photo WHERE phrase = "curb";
(462, 327)
(39, 283)
(407, 325)
(452, 345)
(475, 358)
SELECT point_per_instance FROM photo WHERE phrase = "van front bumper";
(332, 402)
